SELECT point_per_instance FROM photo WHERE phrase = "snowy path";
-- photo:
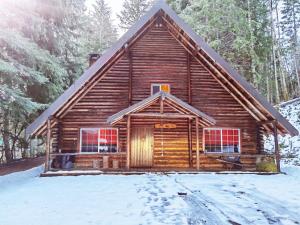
(149, 199)
(240, 203)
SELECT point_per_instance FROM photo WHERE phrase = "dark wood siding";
(107, 97)
(211, 98)
(158, 58)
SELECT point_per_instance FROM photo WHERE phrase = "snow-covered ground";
(26, 199)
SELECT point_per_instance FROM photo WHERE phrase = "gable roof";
(283, 125)
(160, 95)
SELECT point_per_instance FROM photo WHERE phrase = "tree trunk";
(268, 88)
(277, 97)
(297, 73)
(295, 45)
(6, 141)
(252, 51)
(282, 71)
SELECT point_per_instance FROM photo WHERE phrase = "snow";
(75, 171)
(290, 146)
(20, 177)
(26, 199)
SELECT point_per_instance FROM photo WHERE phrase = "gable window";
(159, 87)
(221, 140)
(98, 140)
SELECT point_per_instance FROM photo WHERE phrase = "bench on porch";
(231, 162)
(239, 161)
(103, 162)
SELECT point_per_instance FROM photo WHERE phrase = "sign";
(165, 125)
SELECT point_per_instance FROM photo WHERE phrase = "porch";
(209, 164)
(162, 133)
(95, 164)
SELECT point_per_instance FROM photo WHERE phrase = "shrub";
(266, 167)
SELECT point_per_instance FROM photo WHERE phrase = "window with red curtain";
(222, 140)
(99, 140)
(108, 140)
(89, 140)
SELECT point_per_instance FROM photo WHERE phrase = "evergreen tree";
(237, 30)
(178, 5)
(290, 25)
(22, 64)
(224, 26)
(44, 48)
(101, 32)
(260, 42)
(64, 26)
(132, 11)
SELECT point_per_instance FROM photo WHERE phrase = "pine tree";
(132, 11)
(33, 68)
(223, 25)
(178, 5)
(238, 31)
(22, 64)
(64, 23)
(101, 32)
(44, 48)
(290, 25)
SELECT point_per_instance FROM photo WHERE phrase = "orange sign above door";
(165, 125)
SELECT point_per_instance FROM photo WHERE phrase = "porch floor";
(145, 171)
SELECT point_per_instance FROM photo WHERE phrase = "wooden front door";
(141, 147)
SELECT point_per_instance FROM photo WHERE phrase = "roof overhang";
(228, 77)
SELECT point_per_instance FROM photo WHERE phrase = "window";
(222, 140)
(98, 140)
(89, 140)
(160, 87)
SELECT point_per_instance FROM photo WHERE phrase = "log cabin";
(159, 99)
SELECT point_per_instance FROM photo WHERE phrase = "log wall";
(158, 58)
(107, 97)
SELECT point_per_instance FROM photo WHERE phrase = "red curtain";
(229, 136)
(108, 136)
(90, 137)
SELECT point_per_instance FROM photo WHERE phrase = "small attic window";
(159, 87)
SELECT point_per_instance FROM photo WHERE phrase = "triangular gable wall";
(155, 51)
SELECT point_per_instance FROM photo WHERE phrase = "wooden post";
(188, 65)
(59, 136)
(30, 148)
(161, 109)
(277, 153)
(130, 77)
(190, 142)
(128, 142)
(197, 143)
(48, 143)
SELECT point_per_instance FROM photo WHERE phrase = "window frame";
(159, 84)
(221, 129)
(97, 128)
